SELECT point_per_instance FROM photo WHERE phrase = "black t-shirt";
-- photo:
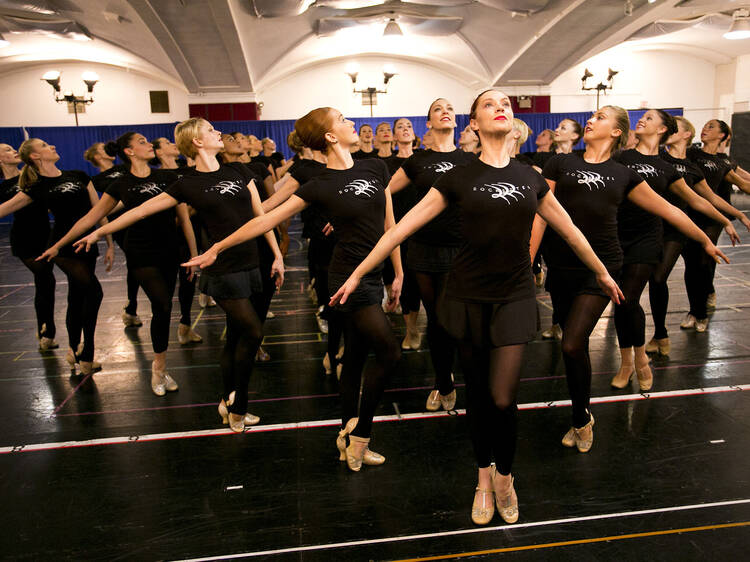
(354, 199)
(277, 158)
(406, 198)
(524, 159)
(66, 196)
(223, 203)
(714, 168)
(725, 187)
(591, 194)
(423, 169)
(265, 160)
(103, 179)
(689, 171)
(634, 222)
(497, 208)
(313, 217)
(154, 238)
(30, 231)
(360, 154)
(541, 158)
(259, 169)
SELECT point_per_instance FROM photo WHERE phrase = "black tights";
(630, 320)
(366, 328)
(658, 290)
(158, 284)
(84, 297)
(185, 295)
(578, 316)
(699, 272)
(442, 346)
(44, 296)
(244, 334)
(492, 377)
(132, 283)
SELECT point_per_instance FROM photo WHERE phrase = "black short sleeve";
(633, 180)
(551, 169)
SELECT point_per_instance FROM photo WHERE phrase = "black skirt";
(489, 324)
(234, 285)
(368, 292)
(424, 258)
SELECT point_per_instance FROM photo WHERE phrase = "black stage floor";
(101, 469)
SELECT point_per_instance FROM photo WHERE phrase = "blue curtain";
(71, 142)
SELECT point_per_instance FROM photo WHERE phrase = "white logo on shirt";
(360, 187)
(503, 190)
(231, 187)
(442, 167)
(709, 164)
(68, 187)
(645, 170)
(150, 187)
(680, 168)
(590, 179)
(115, 175)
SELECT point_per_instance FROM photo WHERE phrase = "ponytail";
(29, 173)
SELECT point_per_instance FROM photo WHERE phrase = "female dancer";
(109, 172)
(566, 136)
(68, 195)
(490, 305)
(468, 140)
(165, 157)
(151, 247)
(640, 235)
(28, 238)
(354, 196)
(366, 149)
(699, 271)
(674, 241)
(403, 201)
(384, 137)
(433, 247)
(591, 186)
(225, 198)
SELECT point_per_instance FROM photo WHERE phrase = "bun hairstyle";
(726, 131)
(293, 141)
(669, 122)
(312, 128)
(156, 144)
(577, 128)
(91, 152)
(117, 148)
(522, 128)
(687, 125)
(29, 173)
(185, 132)
(622, 122)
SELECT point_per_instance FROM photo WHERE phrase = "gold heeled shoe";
(481, 514)
(236, 422)
(354, 460)
(433, 401)
(448, 402)
(186, 335)
(341, 439)
(507, 503)
(661, 346)
(645, 377)
(584, 436)
(570, 439)
(371, 458)
(248, 418)
(623, 376)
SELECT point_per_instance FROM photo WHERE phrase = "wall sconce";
(600, 87)
(740, 28)
(370, 95)
(89, 78)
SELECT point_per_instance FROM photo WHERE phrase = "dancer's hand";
(327, 229)
(344, 291)
(109, 258)
(610, 287)
(86, 243)
(192, 271)
(277, 271)
(745, 222)
(733, 236)
(394, 293)
(48, 254)
(715, 253)
(206, 259)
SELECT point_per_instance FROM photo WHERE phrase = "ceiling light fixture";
(392, 28)
(370, 94)
(740, 28)
(52, 77)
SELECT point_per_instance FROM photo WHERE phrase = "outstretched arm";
(423, 212)
(398, 280)
(15, 203)
(703, 206)
(645, 197)
(539, 226)
(702, 189)
(738, 180)
(161, 202)
(284, 189)
(554, 214)
(399, 181)
(251, 229)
